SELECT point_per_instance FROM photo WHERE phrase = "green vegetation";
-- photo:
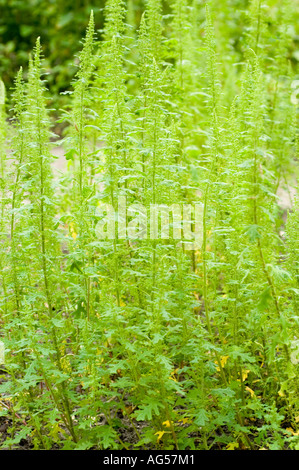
(142, 343)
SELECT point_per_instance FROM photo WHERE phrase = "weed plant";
(142, 343)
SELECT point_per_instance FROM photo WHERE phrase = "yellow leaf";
(172, 375)
(167, 424)
(250, 391)
(232, 446)
(184, 420)
(73, 231)
(293, 432)
(245, 374)
(223, 361)
(160, 434)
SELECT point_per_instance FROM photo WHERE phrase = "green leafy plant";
(121, 336)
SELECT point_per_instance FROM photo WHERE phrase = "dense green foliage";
(142, 343)
(60, 26)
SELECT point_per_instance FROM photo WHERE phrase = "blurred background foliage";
(62, 24)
